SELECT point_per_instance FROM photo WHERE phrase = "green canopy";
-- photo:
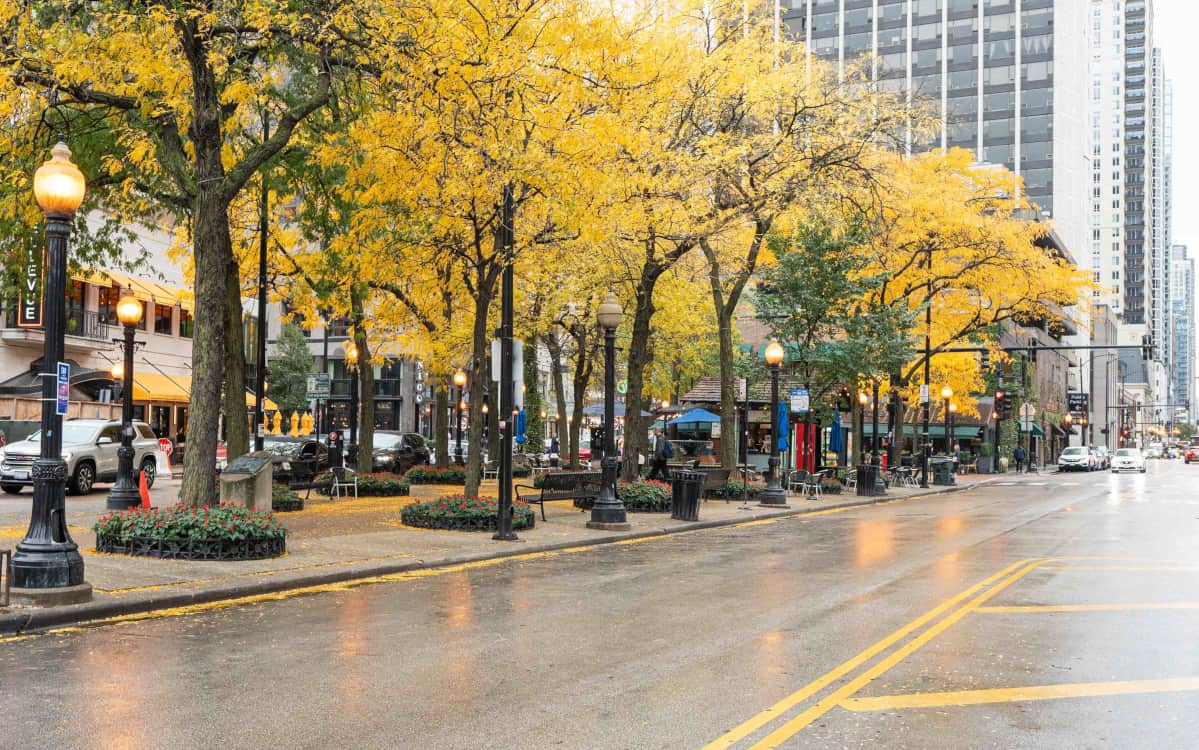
(1036, 431)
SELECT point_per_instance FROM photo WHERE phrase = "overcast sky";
(1175, 22)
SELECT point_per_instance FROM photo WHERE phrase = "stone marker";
(247, 480)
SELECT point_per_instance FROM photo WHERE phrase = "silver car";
(89, 446)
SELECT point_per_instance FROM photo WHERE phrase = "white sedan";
(1128, 459)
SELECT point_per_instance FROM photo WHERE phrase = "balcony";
(85, 331)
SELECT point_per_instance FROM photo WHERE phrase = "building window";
(107, 309)
(75, 297)
(162, 319)
(186, 324)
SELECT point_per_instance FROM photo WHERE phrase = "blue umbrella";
(784, 426)
(520, 428)
(695, 416)
(836, 442)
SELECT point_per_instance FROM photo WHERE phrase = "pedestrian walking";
(957, 457)
(661, 451)
(1019, 455)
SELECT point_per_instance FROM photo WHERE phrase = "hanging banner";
(29, 308)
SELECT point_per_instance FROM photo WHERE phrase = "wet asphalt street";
(1041, 612)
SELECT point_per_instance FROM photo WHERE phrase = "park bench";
(561, 485)
(714, 476)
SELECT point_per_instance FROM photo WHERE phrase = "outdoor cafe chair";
(344, 480)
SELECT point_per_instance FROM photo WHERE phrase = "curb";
(34, 620)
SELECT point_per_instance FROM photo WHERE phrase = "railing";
(88, 325)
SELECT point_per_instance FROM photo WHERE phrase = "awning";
(143, 289)
(1036, 431)
(175, 389)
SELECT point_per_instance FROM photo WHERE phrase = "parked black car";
(290, 455)
(398, 451)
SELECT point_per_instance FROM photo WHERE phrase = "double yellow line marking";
(958, 607)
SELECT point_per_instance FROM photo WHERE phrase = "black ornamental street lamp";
(124, 493)
(773, 496)
(352, 367)
(863, 399)
(460, 383)
(47, 558)
(608, 512)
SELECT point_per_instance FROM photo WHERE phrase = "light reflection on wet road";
(671, 643)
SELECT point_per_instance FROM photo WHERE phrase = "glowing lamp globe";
(774, 354)
(58, 184)
(129, 310)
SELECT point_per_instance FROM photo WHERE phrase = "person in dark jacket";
(659, 452)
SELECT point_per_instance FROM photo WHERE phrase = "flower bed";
(734, 491)
(638, 496)
(229, 531)
(284, 500)
(379, 484)
(433, 475)
(461, 513)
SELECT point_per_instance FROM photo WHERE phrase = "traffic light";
(1006, 411)
(1032, 351)
(984, 362)
(1001, 407)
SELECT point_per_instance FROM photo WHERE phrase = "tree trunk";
(366, 386)
(725, 306)
(441, 422)
(579, 383)
(641, 356)
(493, 413)
(213, 252)
(558, 382)
(477, 383)
(237, 432)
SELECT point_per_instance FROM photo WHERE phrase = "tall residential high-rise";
(1131, 206)
(1182, 308)
(1008, 78)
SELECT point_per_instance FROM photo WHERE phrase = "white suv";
(89, 446)
(1075, 458)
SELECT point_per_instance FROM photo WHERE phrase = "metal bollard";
(6, 574)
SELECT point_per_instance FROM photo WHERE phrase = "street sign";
(741, 392)
(924, 393)
(622, 387)
(64, 388)
(1078, 402)
(1026, 424)
(320, 385)
(799, 400)
(1027, 411)
(165, 446)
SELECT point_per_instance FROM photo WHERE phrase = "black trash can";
(685, 488)
(869, 482)
(942, 470)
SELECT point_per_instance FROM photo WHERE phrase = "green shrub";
(434, 475)
(986, 450)
(733, 490)
(284, 500)
(227, 521)
(380, 484)
(638, 496)
(461, 513)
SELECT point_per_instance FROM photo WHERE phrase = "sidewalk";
(332, 542)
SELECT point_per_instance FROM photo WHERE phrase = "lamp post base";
(608, 513)
(56, 597)
(773, 497)
(47, 566)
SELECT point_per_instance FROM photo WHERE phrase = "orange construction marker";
(143, 489)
